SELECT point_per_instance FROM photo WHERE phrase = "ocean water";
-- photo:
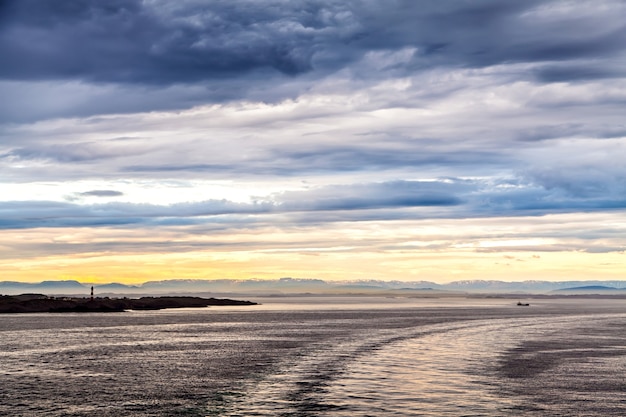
(321, 357)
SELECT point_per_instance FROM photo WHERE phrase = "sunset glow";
(427, 142)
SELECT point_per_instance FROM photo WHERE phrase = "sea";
(321, 356)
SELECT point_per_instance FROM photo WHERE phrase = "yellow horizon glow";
(137, 269)
(441, 251)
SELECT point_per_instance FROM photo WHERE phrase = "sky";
(333, 139)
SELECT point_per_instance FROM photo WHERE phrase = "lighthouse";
(92, 293)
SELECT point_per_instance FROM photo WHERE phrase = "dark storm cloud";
(165, 43)
(78, 58)
(160, 42)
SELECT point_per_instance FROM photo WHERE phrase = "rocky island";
(38, 303)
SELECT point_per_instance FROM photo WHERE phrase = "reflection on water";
(439, 373)
(448, 371)
(348, 358)
(436, 370)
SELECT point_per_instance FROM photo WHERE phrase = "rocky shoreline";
(38, 303)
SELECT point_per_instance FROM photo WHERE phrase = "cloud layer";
(335, 117)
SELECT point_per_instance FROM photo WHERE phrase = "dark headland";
(38, 303)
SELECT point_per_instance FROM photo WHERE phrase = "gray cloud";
(133, 41)
(247, 48)
(18, 214)
(70, 153)
(288, 162)
(433, 110)
(356, 202)
(101, 193)
(397, 194)
(577, 72)
(356, 158)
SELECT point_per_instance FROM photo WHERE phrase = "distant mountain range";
(287, 286)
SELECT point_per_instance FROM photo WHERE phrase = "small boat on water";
(519, 303)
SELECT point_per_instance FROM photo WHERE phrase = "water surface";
(320, 357)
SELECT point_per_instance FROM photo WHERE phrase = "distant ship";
(519, 303)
